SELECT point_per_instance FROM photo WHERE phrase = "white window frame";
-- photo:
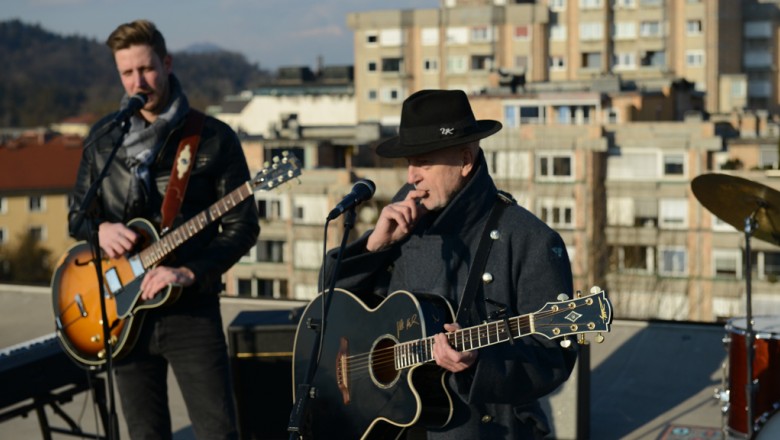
(429, 36)
(457, 64)
(457, 36)
(369, 35)
(683, 162)
(694, 27)
(430, 65)
(694, 58)
(307, 254)
(673, 213)
(391, 37)
(41, 203)
(510, 165)
(591, 31)
(560, 205)
(391, 94)
(545, 172)
(44, 231)
(591, 4)
(673, 271)
(719, 225)
(624, 61)
(650, 28)
(557, 5)
(624, 30)
(558, 32)
(624, 4)
(481, 34)
(729, 254)
(557, 62)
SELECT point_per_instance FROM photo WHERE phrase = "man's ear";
(467, 161)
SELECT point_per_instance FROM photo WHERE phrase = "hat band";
(433, 133)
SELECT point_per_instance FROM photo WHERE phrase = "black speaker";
(260, 344)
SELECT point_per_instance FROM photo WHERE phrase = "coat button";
(494, 234)
(487, 418)
(487, 278)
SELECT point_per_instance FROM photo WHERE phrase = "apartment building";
(37, 174)
(726, 49)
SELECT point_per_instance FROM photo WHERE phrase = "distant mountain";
(46, 78)
(202, 48)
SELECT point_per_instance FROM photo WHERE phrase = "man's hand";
(396, 221)
(446, 357)
(161, 276)
(116, 239)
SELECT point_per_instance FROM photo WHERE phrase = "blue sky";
(272, 33)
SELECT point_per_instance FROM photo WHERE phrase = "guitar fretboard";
(172, 240)
(409, 354)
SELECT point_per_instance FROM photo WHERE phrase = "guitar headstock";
(585, 314)
(277, 171)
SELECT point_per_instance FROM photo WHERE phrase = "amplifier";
(260, 345)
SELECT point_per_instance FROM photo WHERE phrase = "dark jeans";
(194, 346)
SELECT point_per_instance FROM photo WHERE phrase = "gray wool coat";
(497, 397)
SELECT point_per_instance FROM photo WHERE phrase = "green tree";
(27, 263)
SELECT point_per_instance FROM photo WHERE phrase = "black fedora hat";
(435, 119)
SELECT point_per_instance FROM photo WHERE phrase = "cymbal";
(734, 199)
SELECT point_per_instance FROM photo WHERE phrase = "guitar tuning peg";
(285, 153)
(599, 338)
(266, 164)
(565, 342)
(562, 297)
(595, 289)
(276, 159)
(578, 294)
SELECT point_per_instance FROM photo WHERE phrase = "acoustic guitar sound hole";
(383, 363)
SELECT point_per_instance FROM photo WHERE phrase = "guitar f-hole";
(342, 369)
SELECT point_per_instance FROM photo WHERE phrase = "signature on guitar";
(406, 324)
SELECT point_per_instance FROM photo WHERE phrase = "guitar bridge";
(342, 370)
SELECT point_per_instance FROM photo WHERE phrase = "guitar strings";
(421, 351)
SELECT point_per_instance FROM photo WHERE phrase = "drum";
(766, 370)
(768, 427)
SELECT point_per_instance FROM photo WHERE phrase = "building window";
(673, 261)
(694, 58)
(591, 60)
(372, 95)
(391, 64)
(674, 165)
(270, 209)
(508, 164)
(558, 32)
(673, 213)
(481, 34)
(727, 263)
(565, 114)
(768, 264)
(554, 166)
(3, 235)
(456, 64)
(308, 254)
(430, 36)
(632, 259)
(650, 2)
(521, 62)
(457, 35)
(623, 30)
(36, 203)
(522, 33)
(371, 66)
(270, 251)
(650, 29)
(624, 3)
(430, 65)
(590, 4)
(391, 94)
(557, 62)
(557, 213)
(693, 27)
(653, 58)
(372, 38)
(557, 5)
(611, 115)
(391, 37)
(38, 233)
(758, 29)
(624, 61)
(3, 205)
(591, 31)
(481, 62)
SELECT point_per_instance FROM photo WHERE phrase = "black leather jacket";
(220, 167)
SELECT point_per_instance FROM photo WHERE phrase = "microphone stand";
(750, 225)
(305, 391)
(88, 210)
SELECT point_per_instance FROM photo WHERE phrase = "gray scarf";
(143, 142)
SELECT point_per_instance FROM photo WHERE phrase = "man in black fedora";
(426, 241)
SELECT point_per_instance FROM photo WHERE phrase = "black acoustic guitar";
(376, 376)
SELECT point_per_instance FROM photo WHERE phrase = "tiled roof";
(39, 163)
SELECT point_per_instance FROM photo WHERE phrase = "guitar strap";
(480, 258)
(182, 166)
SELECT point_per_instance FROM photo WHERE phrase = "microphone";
(362, 190)
(136, 102)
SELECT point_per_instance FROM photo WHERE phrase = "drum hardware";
(754, 207)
